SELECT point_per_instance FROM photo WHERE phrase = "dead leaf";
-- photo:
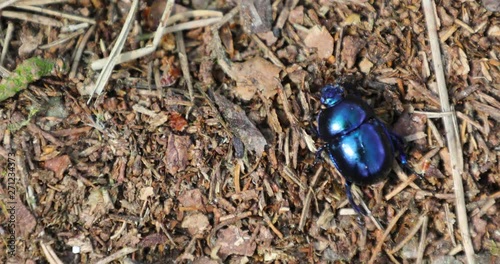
(153, 240)
(480, 230)
(365, 65)
(233, 240)
(320, 39)
(352, 19)
(177, 122)
(241, 126)
(205, 260)
(58, 165)
(96, 205)
(255, 75)
(30, 42)
(192, 198)
(494, 31)
(26, 222)
(351, 46)
(256, 15)
(195, 223)
(176, 157)
(146, 192)
(491, 5)
(265, 237)
(296, 15)
(81, 241)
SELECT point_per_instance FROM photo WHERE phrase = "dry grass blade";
(451, 131)
(138, 53)
(400, 187)
(307, 202)
(4, 73)
(192, 24)
(56, 13)
(381, 240)
(268, 52)
(6, 3)
(191, 14)
(62, 40)
(6, 41)
(120, 42)
(163, 23)
(79, 51)
(119, 254)
(41, 2)
(423, 242)
(49, 253)
(184, 63)
(410, 235)
(43, 20)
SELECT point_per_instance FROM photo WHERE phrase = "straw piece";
(43, 20)
(56, 13)
(120, 42)
(6, 42)
(6, 3)
(451, 131)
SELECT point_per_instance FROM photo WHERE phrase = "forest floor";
(196, 142)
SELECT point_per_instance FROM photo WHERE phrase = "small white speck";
(76, 249)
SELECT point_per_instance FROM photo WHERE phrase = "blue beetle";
(360, 146)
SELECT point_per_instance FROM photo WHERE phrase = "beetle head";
(332, 94)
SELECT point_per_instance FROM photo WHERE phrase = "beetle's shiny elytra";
(358, 143)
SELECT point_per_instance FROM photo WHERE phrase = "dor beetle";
(358, 143)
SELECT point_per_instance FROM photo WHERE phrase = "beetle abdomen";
(365, 155)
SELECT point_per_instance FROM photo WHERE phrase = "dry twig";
(451, 131)
(120, 42)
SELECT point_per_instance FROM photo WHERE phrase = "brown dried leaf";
(146, 192)
(491, 5)
(480, 228)
(320, 39)
(195, 223)
(245, 195)
(255, 75)
(233, 240)
(176, 157)
(177, 122)
(494, 31)
(30, 42)
(58, 165)
(25, 221)
(241, 126)
(350, 49)
(365, 65)
(408, 124)
(153, 240)
(256, 15)
(297, 15)
(192, 198)
(265, 237)
(81, 241)
(130, 239)
(205, 260)
(95, 206)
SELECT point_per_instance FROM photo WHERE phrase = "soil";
(202, 149)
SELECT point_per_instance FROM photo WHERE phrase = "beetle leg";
(318, 154)
(355, 206)
(398, 143)
(314, 129)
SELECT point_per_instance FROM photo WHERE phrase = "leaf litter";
(199, 148)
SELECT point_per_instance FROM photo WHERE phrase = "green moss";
(27, 72)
